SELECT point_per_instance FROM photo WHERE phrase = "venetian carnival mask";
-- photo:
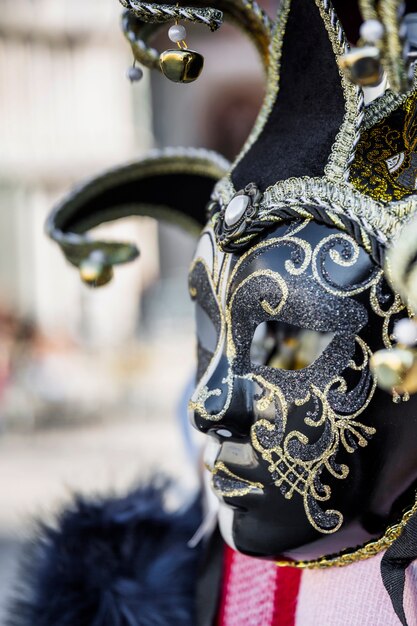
(311, 460)
(285, 334)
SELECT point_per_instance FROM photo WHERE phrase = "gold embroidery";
(385, 165)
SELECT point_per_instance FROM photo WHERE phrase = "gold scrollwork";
(294, 474)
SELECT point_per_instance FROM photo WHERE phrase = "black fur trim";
(115, 562)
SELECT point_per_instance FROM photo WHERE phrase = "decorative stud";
(395, 370)
(95, 271)
(235, 209)
(134, 74)
(238, 217)
(372, 31)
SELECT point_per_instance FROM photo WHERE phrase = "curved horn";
(172, 185)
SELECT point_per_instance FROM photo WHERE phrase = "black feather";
(114, 562)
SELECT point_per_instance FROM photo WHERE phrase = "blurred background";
(94, 383)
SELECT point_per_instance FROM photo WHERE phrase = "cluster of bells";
(363, 64)
(95, 270)
(181, 65)
(395, 369)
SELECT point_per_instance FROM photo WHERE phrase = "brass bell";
(363, 66)
(94, 270)
(181, 65)
(395, 369)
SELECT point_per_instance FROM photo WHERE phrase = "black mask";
(313, 458)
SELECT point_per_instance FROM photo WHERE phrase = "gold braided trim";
(154, 13)
(368, 10)
(367, 551)
(342, 199)
(343, 150)
(302, 196)
(393, 49)
(380, 108)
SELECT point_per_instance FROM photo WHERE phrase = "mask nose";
(223, 401)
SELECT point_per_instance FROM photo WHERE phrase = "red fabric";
(227, 566)
(286, 596)
(257, 593)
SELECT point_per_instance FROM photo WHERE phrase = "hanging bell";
(395, 369)
(363, 66)
(94, 270)
(181, 66)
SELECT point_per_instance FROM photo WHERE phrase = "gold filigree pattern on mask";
(295, 475)
(348, 257)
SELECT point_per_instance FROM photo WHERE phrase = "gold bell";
(94, 270)
(363, 66)
(181, 66)
(395, 369)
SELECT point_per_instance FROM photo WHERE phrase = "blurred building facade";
(66, 113)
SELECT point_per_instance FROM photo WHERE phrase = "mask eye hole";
(206, 331)
(287, 347)
(206, 340)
